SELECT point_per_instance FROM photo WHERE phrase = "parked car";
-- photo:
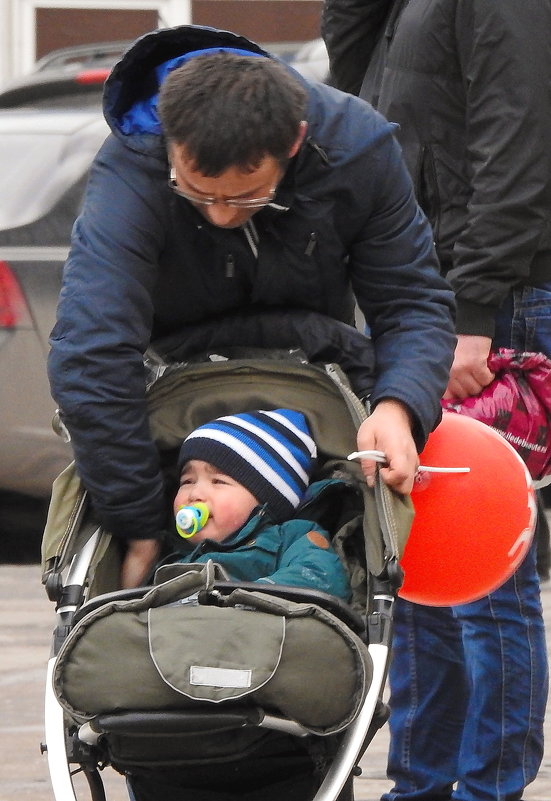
(65, 77)
(51, 126)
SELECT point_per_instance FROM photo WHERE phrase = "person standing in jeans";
(469, 84)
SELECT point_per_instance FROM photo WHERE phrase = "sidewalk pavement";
(26, 621)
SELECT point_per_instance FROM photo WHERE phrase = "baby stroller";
(320, 689)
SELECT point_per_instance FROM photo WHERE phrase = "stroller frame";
(67, 580)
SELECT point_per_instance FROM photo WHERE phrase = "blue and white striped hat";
(272, 454)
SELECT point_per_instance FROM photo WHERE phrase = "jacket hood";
(131, 91)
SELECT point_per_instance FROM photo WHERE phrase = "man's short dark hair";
(231, 110)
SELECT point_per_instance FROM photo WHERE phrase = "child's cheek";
(234, 521)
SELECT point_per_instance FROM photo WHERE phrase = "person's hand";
(388, 429)
(139, 559)
(469, 373)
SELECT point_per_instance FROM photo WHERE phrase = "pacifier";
(191, 519)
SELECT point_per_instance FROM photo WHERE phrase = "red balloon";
(471, 530)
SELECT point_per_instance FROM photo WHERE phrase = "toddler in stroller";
(247, 690)
(250, 471)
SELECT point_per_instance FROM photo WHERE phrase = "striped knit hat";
(270, 453)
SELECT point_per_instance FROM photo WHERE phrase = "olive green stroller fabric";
(167, 651)
(186, 396)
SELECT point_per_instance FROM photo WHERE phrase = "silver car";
(46, 148)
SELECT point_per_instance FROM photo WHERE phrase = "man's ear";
(303, 127)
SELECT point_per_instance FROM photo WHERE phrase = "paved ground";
(26, 620)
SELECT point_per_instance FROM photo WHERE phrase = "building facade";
(30, 29)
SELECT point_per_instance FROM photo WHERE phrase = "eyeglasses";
(237, 203)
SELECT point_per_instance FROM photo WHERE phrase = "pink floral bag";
(517, 404)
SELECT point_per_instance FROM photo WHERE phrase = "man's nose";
(222, 215)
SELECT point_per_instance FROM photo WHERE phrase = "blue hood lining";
(142, 117)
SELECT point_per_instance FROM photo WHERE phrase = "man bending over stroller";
(251, 471)
(230, 185)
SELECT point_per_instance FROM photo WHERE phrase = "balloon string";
(379, 456)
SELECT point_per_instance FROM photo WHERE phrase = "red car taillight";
(12, 303)
(92, 76)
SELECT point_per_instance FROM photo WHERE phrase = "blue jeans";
(524, 323)
(469, 683)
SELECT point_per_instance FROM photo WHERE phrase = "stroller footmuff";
(201, 688)
(185, 651)
(250, 654)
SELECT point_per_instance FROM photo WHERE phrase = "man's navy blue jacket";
(344, 227)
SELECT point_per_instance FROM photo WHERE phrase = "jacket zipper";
(230, 266)
(311, 246)
(253, 240)
(355, 406)
(252, 237)
(319, 150)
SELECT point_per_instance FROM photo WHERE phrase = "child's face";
(228, 502)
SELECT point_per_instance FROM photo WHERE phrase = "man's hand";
(139, 559)
(469, 373)
(388, 430)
